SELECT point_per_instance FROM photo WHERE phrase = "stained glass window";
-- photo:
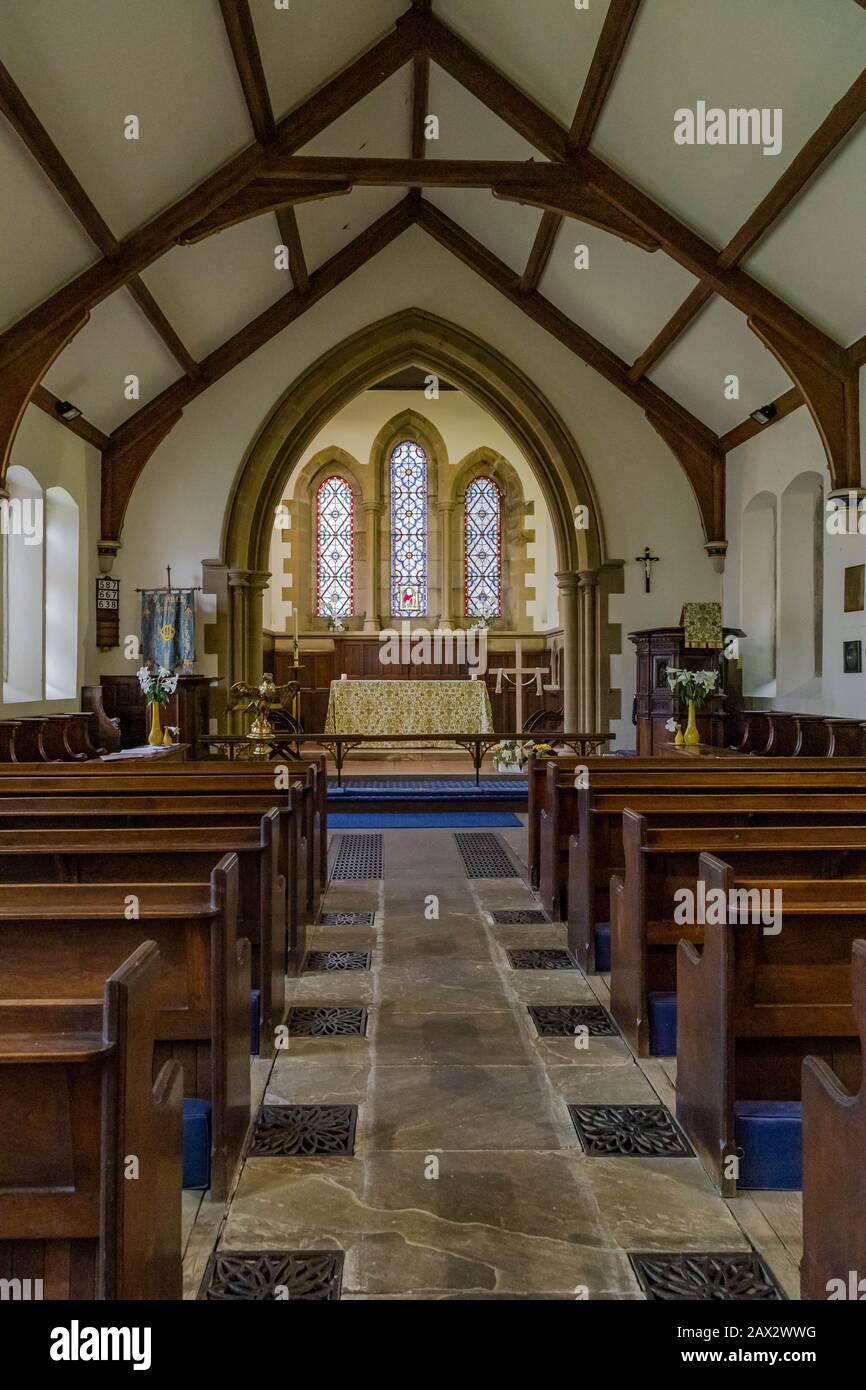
(335, 547)
(408, 529)
(483, 557)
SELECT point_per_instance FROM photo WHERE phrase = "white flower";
(169, 683)
(143, 678)
(672, 726)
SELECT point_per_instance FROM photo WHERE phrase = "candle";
(295, 621)
(344, 677)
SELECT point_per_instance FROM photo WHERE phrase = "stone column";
(245, 628)
(445, 510)
(589, 626)
(372, 512)
(569, 618)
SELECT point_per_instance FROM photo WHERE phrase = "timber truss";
(569, 181)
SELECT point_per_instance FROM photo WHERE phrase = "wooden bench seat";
(751, 1006)
(596, 851)
(661, 860)
(63, 945)
(834, 1167)
(171, 855)
(77, 1099)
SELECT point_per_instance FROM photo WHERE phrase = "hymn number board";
(107, 612)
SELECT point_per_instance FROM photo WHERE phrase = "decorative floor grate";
(347, 919)
(337, 960)
(629, 1131)
(517, 916)
(484, 856)
(329, 1021)
(542, 959)
(726, 1277)
(358, 856)
(303, 1131)
(258, 1276)
(562, 1020)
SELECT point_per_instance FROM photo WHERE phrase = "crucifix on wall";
(646, 560)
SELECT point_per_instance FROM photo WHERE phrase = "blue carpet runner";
(426, 789)
(419, 820)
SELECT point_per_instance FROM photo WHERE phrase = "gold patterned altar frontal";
(409, 707)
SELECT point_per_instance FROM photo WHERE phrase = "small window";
(483, 549)
(335, 549)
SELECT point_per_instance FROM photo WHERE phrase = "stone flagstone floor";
(468, 1179)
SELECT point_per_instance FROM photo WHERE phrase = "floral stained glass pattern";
(483, 558)
(335, 546)
(408, 530)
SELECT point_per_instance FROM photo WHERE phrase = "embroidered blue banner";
(168, 629)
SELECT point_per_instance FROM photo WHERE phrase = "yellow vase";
(679, 740)
(692, 734)
(168, 741)
(155, 735)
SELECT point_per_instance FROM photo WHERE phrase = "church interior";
(433, 722)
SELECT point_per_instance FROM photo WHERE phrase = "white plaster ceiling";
(793, 54)
(329, 224)
(39, 237)
(816, 256)
(467, 128)
(380, 124)
(85, 67)
(211, 289)
(623, 297)
(117, 342)
(719, 344)
(544, 46)
(302, 47)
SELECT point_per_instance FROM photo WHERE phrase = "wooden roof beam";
(149, 242)
(827, 140)
(611, 44)
(47, 401)
(29, 128)
(785, 404)
(678, 240)
(131, 444)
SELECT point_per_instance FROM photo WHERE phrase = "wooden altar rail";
(338, 745)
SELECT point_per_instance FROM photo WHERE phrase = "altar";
(408, 707)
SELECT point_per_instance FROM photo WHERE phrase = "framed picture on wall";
(854, 588)
(852, 657)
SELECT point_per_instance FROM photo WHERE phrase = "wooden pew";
(660, 860)
(186, 854)
(834, 1168)
(62, 945)
(694, 795)
(60, 805)
(77, 1099)
(751, 1006)
(193, 779)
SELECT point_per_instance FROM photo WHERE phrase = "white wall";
(771, 462)
(176, 513)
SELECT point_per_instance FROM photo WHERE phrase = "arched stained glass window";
(408, 530)
(335, 548)
(483, 554)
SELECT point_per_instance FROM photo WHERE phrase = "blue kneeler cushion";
(769, 1135)
(420, 820)
(196, 1143)
(663, 1023)
(255, 1007)
(601, 932)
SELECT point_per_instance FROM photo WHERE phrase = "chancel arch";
(415, 339)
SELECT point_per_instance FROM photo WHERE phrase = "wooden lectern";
(661, 647)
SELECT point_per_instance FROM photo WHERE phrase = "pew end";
(705, 1055)
(834, 1167)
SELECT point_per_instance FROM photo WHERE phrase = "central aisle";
(467, 1178)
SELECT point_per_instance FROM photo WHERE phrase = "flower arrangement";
(483, 619)
(541, 750)
(673, 727)
(508, 755)
(692, 685)
(335, 619)
(157, 684)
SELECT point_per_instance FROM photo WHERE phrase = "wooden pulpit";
(657, 649)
